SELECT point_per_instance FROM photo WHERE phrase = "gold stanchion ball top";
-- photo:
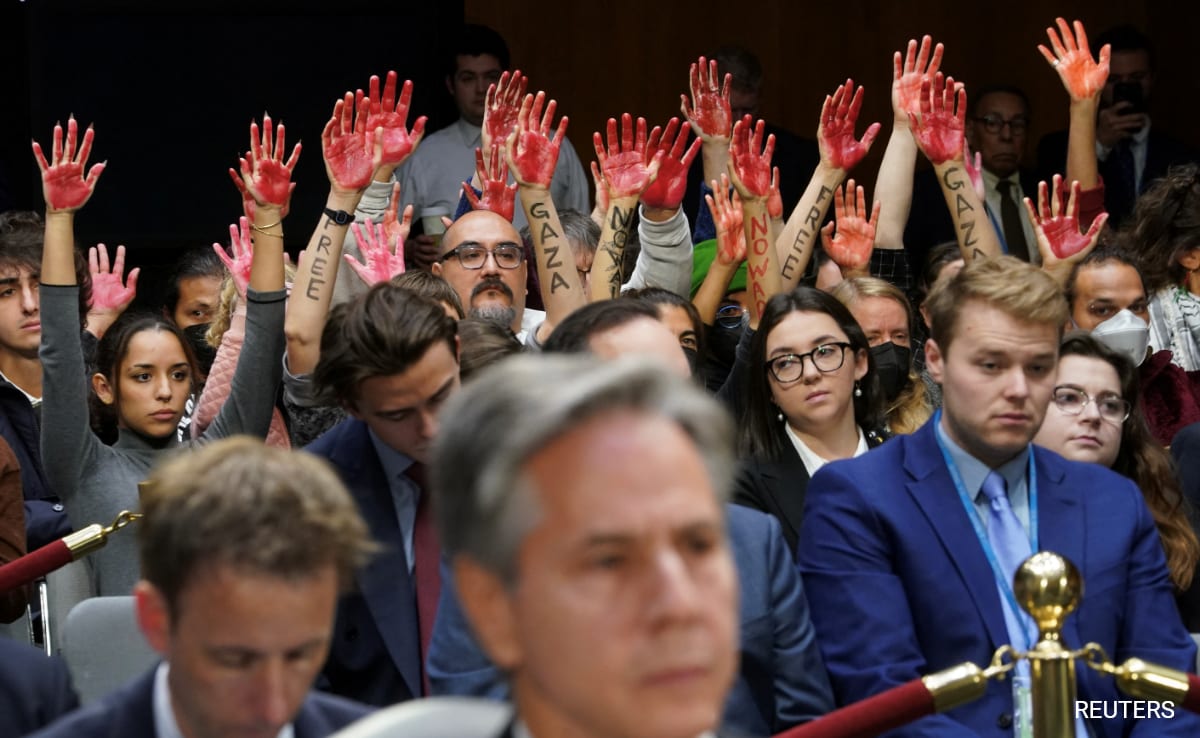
(1049, 587)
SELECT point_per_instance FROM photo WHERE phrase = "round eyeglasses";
(995, 124)
(507, 256)
(826, 358)
(1071, 401)
(732, 316)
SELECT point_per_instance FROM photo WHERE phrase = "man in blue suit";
(244, 549)
(907, 553)
(781, 682)
(390, 357)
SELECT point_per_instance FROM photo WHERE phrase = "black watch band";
(339, 217)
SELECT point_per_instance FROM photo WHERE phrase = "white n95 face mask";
(1125, 333)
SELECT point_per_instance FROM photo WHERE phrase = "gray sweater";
(96, 482)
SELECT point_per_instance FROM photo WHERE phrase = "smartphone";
(1129, 92)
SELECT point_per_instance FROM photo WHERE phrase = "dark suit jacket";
(776, 488)
(35, 690)
(129, 713)
(900, 586)
(781, 682)
(1162, 152)
(375, 655)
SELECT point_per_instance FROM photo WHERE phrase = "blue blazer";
(781, 682)
(129, 713)
(375, 654)
(900, 587)
(35, 689)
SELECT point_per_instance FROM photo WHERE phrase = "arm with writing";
(626, 174)
(894, 184)
(939, 133)
(750, 172)
(840, 152)
(350, 154)
(532, 155)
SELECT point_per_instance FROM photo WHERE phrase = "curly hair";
(1165, 225)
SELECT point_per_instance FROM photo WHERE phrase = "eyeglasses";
(828, 357)
(1071, 401)
(731, 316)
(507, 256)
(994, 124)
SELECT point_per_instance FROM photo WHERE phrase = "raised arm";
(532, 155)
(1057, 228)
(352, 151)
(939, 133)
(65, 190)
(111, 292)
(709, 116)
(851, 248)
(731, 250)
(382, 245)
(626, 174)
(840, 152)
(893, 186)
(1083, 78)
(750, 172)
(491, 178)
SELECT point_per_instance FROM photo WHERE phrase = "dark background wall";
(172, 91)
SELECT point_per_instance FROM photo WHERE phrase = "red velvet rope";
(887, 710)
(31, 566)
(1191, 701)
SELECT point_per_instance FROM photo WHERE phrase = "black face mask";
(892, 365)
(205, 354)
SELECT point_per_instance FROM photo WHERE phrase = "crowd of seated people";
(885, 406)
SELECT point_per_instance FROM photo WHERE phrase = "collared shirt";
(165, 725)
(34, 401)
(973, 472)
(1139, 144)
(995, 201)
(811, 460)
(432, 178)
(405, 492)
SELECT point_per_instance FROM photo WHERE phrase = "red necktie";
(426, 558)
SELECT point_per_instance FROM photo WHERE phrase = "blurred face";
(1001, 150)
(1126, 67)
(883, 320)
(742, 102)
(1103, 290)
(997, 376)
(402, 408)
(677, 320)
(198, 300)
(584, 257)
(20, 320)
(642, 337)
(623, 618)
(1086, 436)
(243, 649)
(489, 291)
(152, 384)
(817, 401)
(469, 84)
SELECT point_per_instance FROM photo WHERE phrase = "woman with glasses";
(812, 397)
(1094, 416)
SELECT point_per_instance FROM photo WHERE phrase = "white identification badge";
(1022, 707)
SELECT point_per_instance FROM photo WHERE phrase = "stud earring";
(780, 417)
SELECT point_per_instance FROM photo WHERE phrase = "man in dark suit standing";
(390, 357)
(244, 549)
(580, 504)
(1130, 153)
(908, 552)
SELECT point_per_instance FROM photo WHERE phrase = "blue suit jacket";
(781, 681)
(129, 713)
(375, 655)
(900, 586)
(35, 689)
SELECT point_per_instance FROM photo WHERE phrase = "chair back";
(103, 647)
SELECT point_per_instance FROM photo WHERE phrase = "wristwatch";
(339, 217)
